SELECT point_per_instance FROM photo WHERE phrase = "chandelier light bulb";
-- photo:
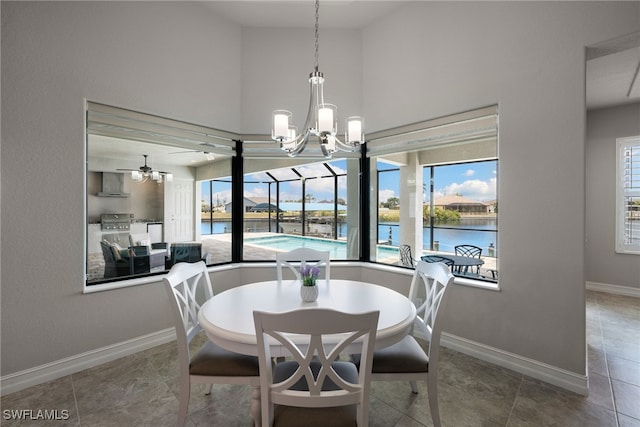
(354, 135)
(281, 122)
(327, 118)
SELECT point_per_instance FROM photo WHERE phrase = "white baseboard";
(51, 371)
(614, 289)
(550, 374)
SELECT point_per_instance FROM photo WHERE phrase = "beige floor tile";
(539, 404)
(627, 398)
(624, 370)
(622, 349)
(625, 421)
(25, 407)
(142, 389)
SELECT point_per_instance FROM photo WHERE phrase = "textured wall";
(161, 58)
(177, 60)
(603, 264)
(529, 58)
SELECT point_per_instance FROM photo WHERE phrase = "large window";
(306, 203)
(215, 219)
(628, 196)
(437, 189)
(156, 186)
(143, 211)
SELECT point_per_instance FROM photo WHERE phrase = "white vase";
(308, 293)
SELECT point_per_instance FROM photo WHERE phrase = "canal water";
(477, 232)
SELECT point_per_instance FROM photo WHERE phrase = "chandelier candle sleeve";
(281, 120)
(354, 130)
(326, 118)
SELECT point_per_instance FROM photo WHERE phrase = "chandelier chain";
(321, 117)
(317, 32)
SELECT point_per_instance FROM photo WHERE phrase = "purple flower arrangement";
(309, 275)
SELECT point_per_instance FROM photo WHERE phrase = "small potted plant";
(308, 277)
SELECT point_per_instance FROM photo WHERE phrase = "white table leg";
(255, 406)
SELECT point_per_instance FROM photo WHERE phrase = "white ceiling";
(612, 72)
(350, 14)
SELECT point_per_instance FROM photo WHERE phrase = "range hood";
(112, 185)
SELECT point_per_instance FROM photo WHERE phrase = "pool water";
(337, 248)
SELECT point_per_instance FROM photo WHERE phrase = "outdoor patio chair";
(472, 252)
(185, 252)
(437, 258)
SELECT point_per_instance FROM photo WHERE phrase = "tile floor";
(141, 390)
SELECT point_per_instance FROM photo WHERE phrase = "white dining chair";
(406, 360)
(315, 385)
(211, 364)
(299, 257)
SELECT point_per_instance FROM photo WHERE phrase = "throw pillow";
(116, 252)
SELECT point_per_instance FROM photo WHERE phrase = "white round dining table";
(227, 318)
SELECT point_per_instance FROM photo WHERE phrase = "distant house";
(463, 205)
(264, 207)
(249, 203)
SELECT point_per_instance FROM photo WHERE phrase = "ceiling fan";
(144, 173)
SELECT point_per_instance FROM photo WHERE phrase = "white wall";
(177, 60)
(603, 264)
(276, 64)
(170, 59)
(448, 57)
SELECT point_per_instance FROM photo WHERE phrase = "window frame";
(476, 124)
(627, 186)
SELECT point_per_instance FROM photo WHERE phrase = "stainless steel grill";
(115, 222)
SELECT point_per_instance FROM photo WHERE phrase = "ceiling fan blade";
(128, 170)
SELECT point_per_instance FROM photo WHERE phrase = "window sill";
(464, 281)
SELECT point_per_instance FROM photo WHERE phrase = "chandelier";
(321, 120)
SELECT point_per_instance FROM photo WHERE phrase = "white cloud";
(473, 189)
(469, 172)
(222, 197)
(384, 195)
(260, 191)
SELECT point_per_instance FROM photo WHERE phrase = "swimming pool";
(337, 248)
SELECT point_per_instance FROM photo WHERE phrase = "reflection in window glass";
(142, 213)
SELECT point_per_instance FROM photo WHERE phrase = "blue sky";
(472, 180)
(475, 181)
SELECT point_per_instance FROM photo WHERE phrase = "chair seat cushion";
(215, 360)
(346, 371)
(404, 356)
